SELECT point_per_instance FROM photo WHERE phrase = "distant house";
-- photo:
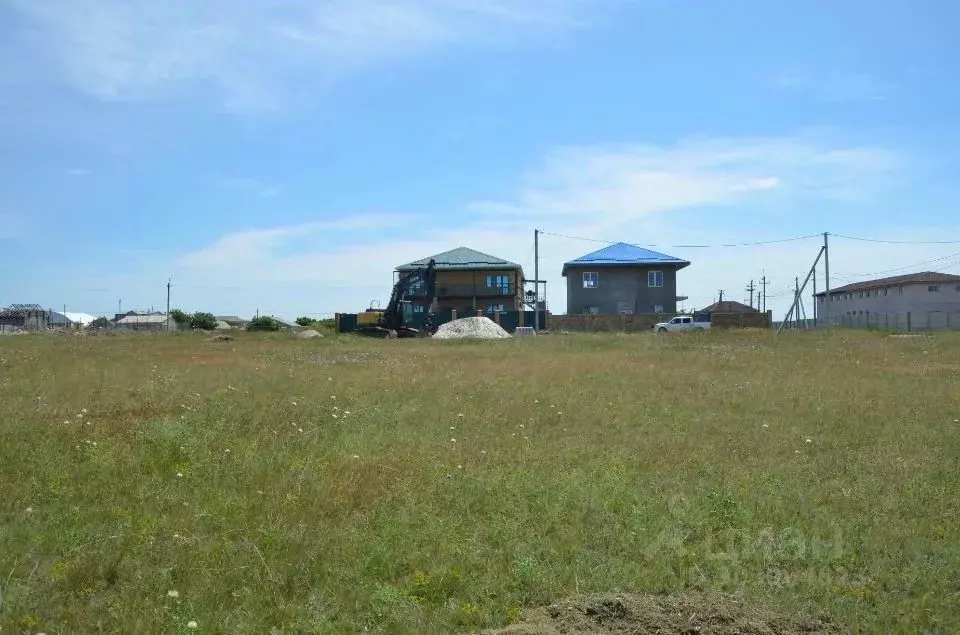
(469, 280)
(147, 323)
(233, 321)
(622, 279)
(931, 298)
(28, 317)
(70, 320)
(728, 306)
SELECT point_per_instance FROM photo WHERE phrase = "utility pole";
(764, 283)
(721, 295)
(814, 300)
(168, 304)
(751, 289)
(119, 306)
(826, 266)
(796, 298)
(536, 280)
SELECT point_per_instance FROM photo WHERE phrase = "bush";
(181, 318)
(203, 321)
(263, 323)
(305, 321)
(99, 323)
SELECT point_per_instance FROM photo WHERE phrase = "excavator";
(397, 319)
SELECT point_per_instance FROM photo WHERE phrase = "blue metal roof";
(624, 255)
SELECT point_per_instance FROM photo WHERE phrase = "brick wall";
(742, 320)
(645, 321)
(592, 323)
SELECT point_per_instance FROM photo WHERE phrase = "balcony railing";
(470, 291)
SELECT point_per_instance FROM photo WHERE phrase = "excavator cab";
(397, 320)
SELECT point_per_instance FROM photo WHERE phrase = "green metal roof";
(461, 258)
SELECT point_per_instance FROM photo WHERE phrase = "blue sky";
(284, 157)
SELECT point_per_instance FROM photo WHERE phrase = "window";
(499, 283)
(654, 278)
(418, 308)
(934, 288)
(658, 308)
(494, 308)
(417, 287)
(590, 279)
(591, 310)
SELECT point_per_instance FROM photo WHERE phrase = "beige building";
(917, 300)
(471, 280)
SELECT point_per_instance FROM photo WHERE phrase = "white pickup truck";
(681, 323)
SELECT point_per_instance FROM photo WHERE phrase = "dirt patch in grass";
(686, 614)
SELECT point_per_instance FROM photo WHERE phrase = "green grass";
(231, 473)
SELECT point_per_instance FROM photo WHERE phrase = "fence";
(599, 323)
(645, 321)
(903, 321)
(508, 320)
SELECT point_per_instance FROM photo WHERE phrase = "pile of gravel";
(478, 328)
(307, 334)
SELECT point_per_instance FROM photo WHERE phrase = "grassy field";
(270, 485)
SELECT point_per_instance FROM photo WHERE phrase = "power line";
(898, 242)
(747, 244)
(878, 273)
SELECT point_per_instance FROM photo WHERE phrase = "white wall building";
(927, 300)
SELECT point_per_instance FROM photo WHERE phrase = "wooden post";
(336, 321)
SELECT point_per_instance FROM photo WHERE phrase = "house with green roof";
(622, 279)
(468, 279)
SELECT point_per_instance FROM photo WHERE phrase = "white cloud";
(135, 49)
(628, 192)
(835, 86)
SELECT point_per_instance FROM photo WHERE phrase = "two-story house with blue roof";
(622, 279)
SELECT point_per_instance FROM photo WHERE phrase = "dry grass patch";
(343, 484)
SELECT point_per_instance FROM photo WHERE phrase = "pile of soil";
(688, 614)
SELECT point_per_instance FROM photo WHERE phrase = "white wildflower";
(346, 412)
(483, 451)
(227, 450)
(333, 396)
(173, 593)
(299, 429)
(521, 425)
(459, 467)
(83, 410)
(66, 423)
(453, 427)
(293, 403)
(356, 456)
(79, 416)
(29, 510)
(536, 401)
(453, 440)
(559, 413)
(179, 474)
(336, 408)
(765, 426)
(192, 624)
(809, 440)
(335, 416)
